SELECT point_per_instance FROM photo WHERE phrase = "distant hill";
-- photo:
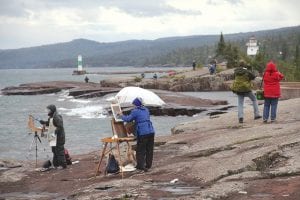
(126, 53)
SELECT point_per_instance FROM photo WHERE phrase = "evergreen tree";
(221, 46)
(284, 51)
(259, 62)
(297, 63)
(297, 57)
(231, 54)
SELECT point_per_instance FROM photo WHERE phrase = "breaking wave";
(87, 112)
(80, 101)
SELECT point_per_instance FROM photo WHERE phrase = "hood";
(52, 109)
(271, 67)
(138, 101)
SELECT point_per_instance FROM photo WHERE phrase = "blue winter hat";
(137, 101)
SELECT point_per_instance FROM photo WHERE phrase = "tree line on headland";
(281, 45)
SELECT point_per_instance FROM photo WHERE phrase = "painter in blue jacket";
(144, 132)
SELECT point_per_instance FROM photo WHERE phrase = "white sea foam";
(80, 101)
(87, 112)
(63, 109)
(63, 95)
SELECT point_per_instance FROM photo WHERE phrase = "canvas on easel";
(116, 109)
(118, 129)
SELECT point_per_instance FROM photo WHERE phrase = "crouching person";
(56, 136)
(144, 133)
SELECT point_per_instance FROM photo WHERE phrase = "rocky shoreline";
(178, 104)
(198, 80)
(210, 158)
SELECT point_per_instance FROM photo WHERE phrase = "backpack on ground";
(112, 165)
(68, 157)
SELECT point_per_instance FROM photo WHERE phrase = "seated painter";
(144, 133)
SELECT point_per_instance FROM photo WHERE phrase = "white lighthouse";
(79, 70)
(252, 47)
(79, 63)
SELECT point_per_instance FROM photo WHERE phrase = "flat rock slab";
(210, 158)
(79, 89)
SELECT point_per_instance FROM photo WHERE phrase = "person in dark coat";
(194, 65)
(213, 67)
(86, 79)
(144, 133)
(55, 120)
(242, 86)
(271, 79)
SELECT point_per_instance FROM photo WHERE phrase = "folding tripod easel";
(119, 135)
(36, 138)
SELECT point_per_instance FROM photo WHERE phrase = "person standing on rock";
(242, 86)
(56, 136)
(194, 65)
(86, 79)
(213, 67)
(144, 133)
(271, 79)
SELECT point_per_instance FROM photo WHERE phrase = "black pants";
(144, 152)
(59, 158)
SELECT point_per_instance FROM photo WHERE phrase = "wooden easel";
(37, 131)
(119, 135)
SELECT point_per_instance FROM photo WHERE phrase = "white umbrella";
(128, 94)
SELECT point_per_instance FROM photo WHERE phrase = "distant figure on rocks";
(143, 75)
(155, 76)
(213, 67)
(242, 86)
(271, 79)
(194, 65)
(86, 79)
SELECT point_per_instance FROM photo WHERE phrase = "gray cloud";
(148, 8)
(132, 7)
(12, 8)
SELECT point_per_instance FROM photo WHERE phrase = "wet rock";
(77, 89)
(10, 164)
(91, 93)
(13, 175)
(29, 90)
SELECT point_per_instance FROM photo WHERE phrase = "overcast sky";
(25, 23)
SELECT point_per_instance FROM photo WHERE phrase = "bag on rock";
(112, 165)
(68, 157)
(260, 95)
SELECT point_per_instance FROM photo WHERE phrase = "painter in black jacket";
(56, 136)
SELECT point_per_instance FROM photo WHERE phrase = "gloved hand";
(42, 122)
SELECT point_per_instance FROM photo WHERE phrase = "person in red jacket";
(271, 79)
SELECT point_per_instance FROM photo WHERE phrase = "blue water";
(85, 121)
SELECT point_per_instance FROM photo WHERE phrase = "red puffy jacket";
(271, 80)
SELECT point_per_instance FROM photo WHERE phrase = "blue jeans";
(252, 97)
(270, 102)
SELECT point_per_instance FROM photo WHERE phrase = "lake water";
(85, 120)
